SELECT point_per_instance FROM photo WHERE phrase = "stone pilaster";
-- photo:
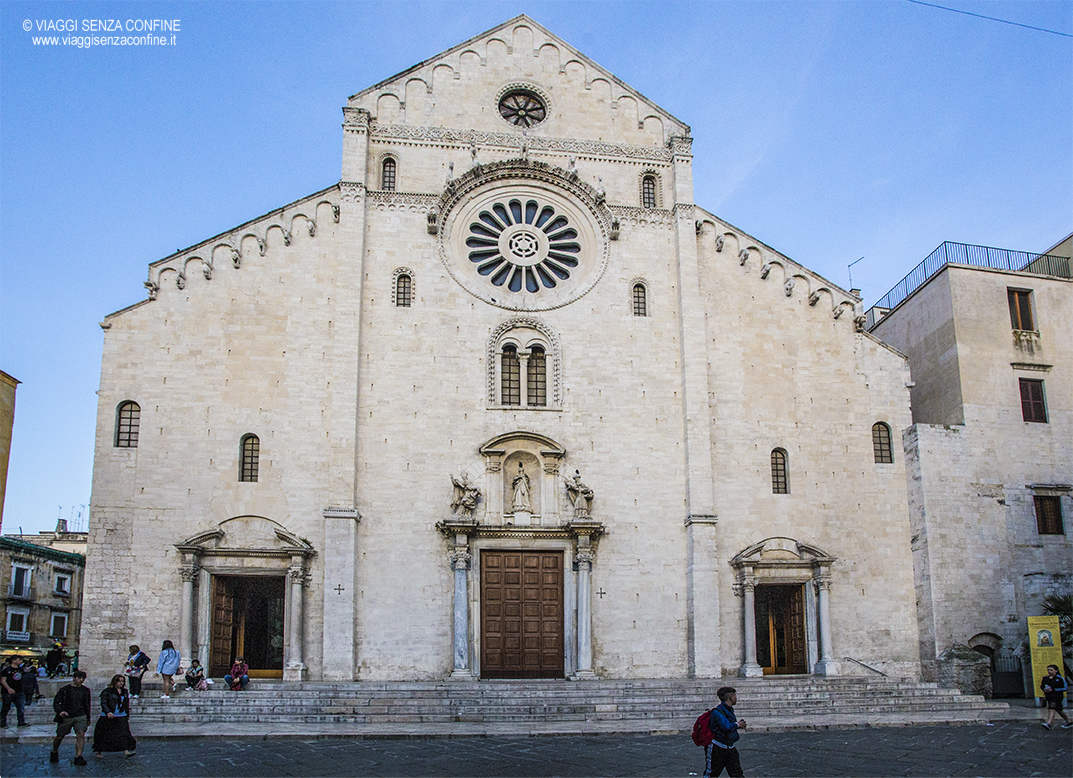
(750, 667)
(460, 562)
(584, 558)
(702, 611)
(827, 664)
(340, 593)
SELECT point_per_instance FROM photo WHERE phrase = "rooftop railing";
(965, 254)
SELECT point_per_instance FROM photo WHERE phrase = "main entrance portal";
(247, 621)
(780, 629)
(522, 614)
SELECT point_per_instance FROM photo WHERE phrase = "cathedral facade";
(502, 403)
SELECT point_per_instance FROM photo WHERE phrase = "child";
(1054, 689)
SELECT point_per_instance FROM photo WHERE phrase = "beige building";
(41, 596)
(503, 402)
(7, 421)
(990, 452)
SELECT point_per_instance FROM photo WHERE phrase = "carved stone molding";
(351, 192)
(189, 572)
(643, 216)
(680, 146)
(355, 119)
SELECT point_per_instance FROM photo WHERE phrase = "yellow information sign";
(1045, 643)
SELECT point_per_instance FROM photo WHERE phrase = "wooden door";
(223, 618)
(780, 629)
(522, 614)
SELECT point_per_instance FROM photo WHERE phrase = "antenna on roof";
(849, 267)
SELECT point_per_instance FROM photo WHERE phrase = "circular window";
(523, 108)
(523, 245)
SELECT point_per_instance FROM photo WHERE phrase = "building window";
(511, 383)
(20, 581)
(537, 377)
(1049, 515)
(59, 625)
(640, 303)
(63, 583)
(403, 285)
(18, 624)
(648, 192)
(881, 444)
(1020, 309)
(387, 179)
(251, 450)
(780, 482)
(1032, 405)
(128, 416)
(522, 108)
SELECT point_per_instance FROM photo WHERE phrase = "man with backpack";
(720, 753)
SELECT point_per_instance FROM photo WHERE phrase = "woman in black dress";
(112, 732)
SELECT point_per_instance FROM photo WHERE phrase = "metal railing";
(950, 253)
(862, 664)
(24, 592)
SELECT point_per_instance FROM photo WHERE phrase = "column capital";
(189, 572)
(585, 557)
(460, 559)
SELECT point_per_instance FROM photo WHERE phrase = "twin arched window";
(250, 453)
(387, 174)
(128, 419)
(881, 446)
(780, 477)
(532, 366)
(523, 366)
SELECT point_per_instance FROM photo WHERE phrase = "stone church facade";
(502, 403)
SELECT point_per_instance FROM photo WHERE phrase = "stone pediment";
(247, 536)
(581, 99)
(781, 551)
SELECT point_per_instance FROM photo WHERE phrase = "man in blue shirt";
(721, 753)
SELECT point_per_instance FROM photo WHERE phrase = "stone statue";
(719, 243)
(525, 146)
(601, 195)
(521, 490)
(465, 497)
(450, 171)
(473, 155)
(572, 169)
(580, 495)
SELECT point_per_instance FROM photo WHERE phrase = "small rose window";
(522, 108)
(523, 245)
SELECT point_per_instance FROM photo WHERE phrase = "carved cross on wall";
(339, 589)
(601, 592)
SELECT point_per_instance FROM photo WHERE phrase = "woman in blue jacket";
(167, 664)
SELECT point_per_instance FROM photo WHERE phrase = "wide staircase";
(639, 705)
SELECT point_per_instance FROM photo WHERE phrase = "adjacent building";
(41, 591)
(503, 402)
(990, 452)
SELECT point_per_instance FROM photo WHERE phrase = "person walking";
(73, 707)
(1054, 689)
(112, 732)
(137, 664)
(167, 664)
(30, 689)
(239, 676)
(721, 753)
(11, 692)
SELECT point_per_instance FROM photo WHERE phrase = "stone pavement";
(1009, 748)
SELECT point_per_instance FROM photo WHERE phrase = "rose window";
(522, 108)
(523, 245)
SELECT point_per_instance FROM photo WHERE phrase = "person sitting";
(53, 658)
(195, 677)
(239, 675)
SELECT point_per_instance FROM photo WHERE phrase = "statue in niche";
(521, 491)
(465, 497)
(580, 495)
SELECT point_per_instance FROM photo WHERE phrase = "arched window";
(251, 450)
(511, 393)
(403, 285)
(537, 377)
(881, 443)
(780, 480)
(640, 301)
(128, 417)
(387, 178)
(648, 192)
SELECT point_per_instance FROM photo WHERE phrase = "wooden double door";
(522, 614)
(780, 629)
(247, 621)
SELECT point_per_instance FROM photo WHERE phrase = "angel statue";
(580, 495)
(465, 497)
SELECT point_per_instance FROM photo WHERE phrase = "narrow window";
(537, 378)
(1020, 309)
(648, 192)
(20, 582)
(128, 416)
(387, 180)
(403, 285)
(640, 304)
(59, 625)
(63, 584)
(780, 484)
(881, 443)
(1049, 516)
(251, 450)
(1032, 406)
(17, 621)
(511, 384)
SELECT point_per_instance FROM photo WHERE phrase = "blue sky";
(828, 130)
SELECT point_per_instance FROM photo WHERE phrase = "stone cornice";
(473, 531)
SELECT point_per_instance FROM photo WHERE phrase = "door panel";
(521, 614)
(780, 629)
(223, 601)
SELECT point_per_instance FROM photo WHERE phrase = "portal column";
(186, 613)
(748, 590)
(584, 558)
(460, 561)
(827, 664)
(295, 669)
